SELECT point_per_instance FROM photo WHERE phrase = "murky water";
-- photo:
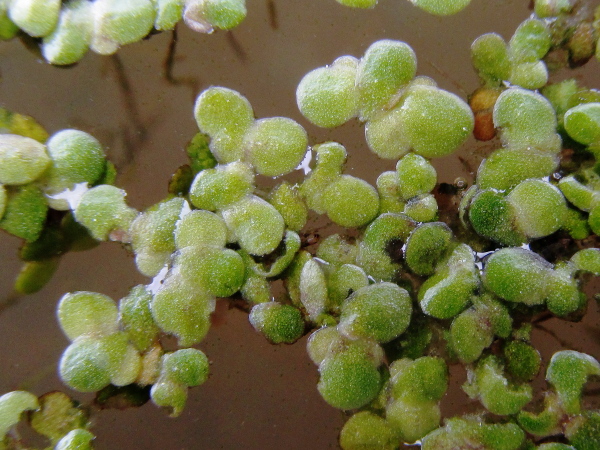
(259, 396)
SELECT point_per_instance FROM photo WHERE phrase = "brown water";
(259, 396)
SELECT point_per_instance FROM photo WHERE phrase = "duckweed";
(407, 280)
